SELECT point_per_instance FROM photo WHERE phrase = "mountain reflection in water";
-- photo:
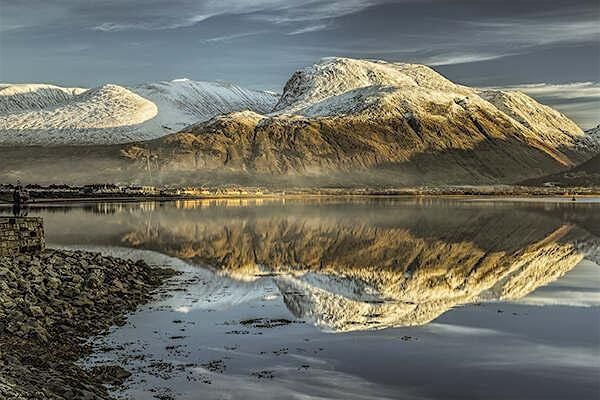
(354, 265)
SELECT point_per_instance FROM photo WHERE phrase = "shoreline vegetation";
(51, 303)
(113, 193)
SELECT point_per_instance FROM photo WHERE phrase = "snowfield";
(183, 102)
(38, 114)
(23, 97)
(322, 83)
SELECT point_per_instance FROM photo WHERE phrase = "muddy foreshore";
(50, 303)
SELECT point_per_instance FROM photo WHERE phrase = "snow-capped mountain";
(25, 97)
(182, 102)
(321, 84)
(366, 89)
(47, 114)
(386, 123)
(344, 114)
(102, 115)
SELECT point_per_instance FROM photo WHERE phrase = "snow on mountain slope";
(367, 89)
(386, 123)
(182, 102)
(21, 97)
(370, 273)
(591, 141)
(337, 76)
(45, 114)
(101, 115)
(383, 119)
(546, 121)
(341, 302)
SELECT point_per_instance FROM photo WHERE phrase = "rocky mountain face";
(51, 115)
(385, 122)
(590, 141)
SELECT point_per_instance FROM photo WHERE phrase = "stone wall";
(21, 235)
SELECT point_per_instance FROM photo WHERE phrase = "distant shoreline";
(590, 193)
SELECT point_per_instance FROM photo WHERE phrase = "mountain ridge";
(40, 114)
(347, 115)
(384, 123)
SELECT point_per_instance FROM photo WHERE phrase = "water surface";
(364, 298)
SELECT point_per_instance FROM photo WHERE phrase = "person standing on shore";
(20, 198)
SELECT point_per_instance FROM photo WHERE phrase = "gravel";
(50, 303)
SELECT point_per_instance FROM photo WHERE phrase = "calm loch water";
(354, 299)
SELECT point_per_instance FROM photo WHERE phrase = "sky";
(549, 48)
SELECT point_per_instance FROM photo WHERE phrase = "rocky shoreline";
(50, 303)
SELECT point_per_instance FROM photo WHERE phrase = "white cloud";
(503, 38)
(563, 298)
(314, 10)
(315, 383)
(579, 288)
(226, 38)
(149, 26)
(458, 58)
(528, 355)
(272, 11)
(307, 29)
(460, 330)
(12, 27)
(574, 90)
(537, 32)
(584, 113)
(111, 27)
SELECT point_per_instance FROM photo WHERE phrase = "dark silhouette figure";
(20, 198)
